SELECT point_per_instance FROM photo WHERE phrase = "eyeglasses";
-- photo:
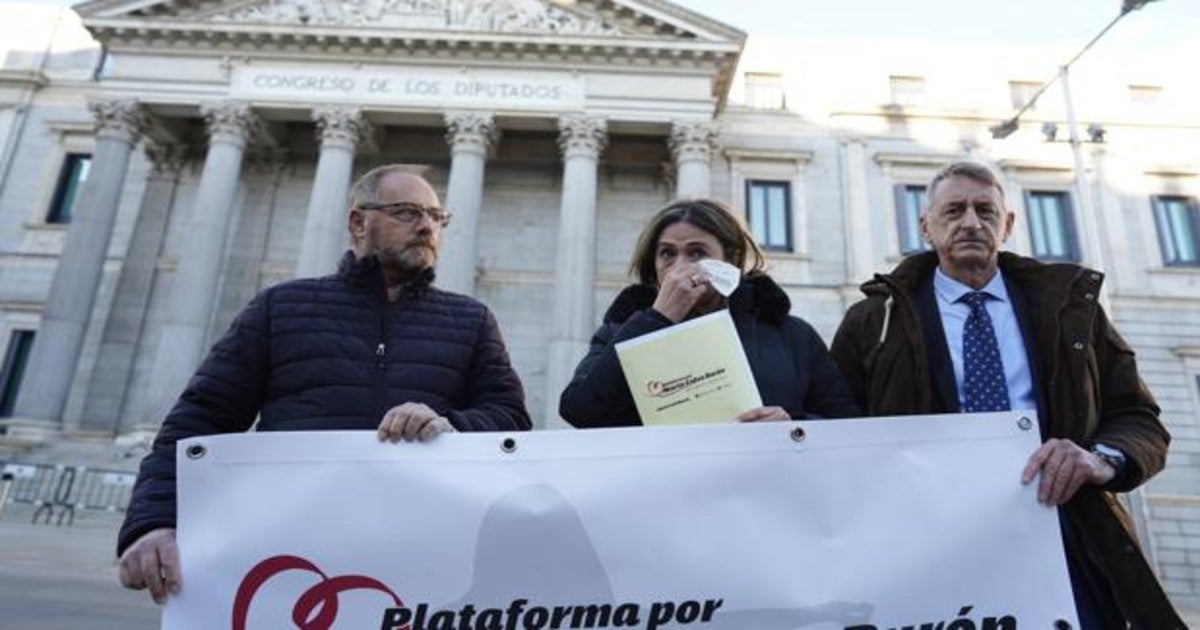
(409, 212)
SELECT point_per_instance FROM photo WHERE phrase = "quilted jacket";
(333, 353)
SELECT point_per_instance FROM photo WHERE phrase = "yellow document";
(693, 372)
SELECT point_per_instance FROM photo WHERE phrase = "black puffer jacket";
(333, 353)
(790, 363)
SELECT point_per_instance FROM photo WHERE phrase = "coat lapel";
(945, 392)
(1020, 304)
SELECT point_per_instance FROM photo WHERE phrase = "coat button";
(1090, 296)
(1078, 345)
(1095, 276)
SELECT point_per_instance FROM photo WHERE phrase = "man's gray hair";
(970, 170)
(366, 188)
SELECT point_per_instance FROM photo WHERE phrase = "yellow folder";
(690, 373)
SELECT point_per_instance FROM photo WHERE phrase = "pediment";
(569, 18)
(564, 34)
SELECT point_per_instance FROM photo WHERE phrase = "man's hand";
(152, 561)
(1065, 467)
(412, 421)
(765, 414)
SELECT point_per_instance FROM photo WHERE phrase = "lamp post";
(1083, 192)
(1136, 499)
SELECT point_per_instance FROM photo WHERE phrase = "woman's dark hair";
(711, 216)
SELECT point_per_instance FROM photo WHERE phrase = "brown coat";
(1087, 382)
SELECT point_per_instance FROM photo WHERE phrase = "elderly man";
(373, 346)
(966, 328)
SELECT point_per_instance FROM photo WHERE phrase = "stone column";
(692, 145)
(193, 289)
(471, 135)
(340, 130)
(108, 388)
(860, 253)
(1108, 222)
(581, 139)
(60, 336)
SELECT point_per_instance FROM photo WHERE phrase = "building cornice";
(915, 159)
(1023, 164)
(799, 156)
(1173, 170)
(23, 77)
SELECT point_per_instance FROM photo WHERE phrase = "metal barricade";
(31, 482)
(106, 490)
(6, 483)
(64, 489)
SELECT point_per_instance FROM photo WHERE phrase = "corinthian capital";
(230, 122)
(692, 141)
(123, 120)
(341, 126)
(581, 135)
(469, 129)
(166, 160)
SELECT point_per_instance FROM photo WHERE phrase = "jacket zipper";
(380, 360)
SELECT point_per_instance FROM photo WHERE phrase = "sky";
(1068, 23)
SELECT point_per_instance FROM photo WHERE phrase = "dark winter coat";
(891, 349)
(790, 363)
(334, 353)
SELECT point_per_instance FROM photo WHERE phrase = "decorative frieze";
(505, 16)
(123, 119)
(582, 135)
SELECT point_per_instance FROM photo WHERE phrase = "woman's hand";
(765, 414)
(680, 289)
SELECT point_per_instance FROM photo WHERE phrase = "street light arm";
(1006, 128)
(1134, 5)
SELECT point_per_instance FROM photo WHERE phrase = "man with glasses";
(373, 346)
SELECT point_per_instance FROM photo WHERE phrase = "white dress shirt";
(1008, 335)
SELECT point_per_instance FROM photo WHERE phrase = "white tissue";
(723, 276)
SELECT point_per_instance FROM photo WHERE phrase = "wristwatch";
(1110, 455)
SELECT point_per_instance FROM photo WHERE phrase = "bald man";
(373, 347)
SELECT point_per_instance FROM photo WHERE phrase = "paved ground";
(64, 578)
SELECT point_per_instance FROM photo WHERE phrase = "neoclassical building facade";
(163, 160)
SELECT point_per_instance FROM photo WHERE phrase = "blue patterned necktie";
(984, 387)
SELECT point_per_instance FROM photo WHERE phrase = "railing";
(55, 488)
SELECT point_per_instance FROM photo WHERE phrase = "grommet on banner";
(509, 445)
(1025, 423)
(196, 451)
(798, 434)
(1062, 624)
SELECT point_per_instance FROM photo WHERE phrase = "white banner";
(863, 525)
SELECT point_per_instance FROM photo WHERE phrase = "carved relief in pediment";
(505, 16)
